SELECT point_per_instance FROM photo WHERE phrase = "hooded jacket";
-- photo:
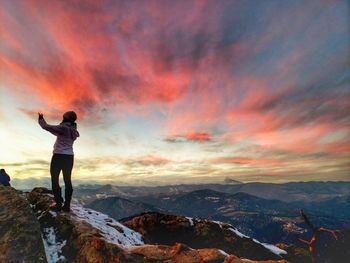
(5, 179)
(66, 135)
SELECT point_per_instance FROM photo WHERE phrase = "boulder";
(20, 235)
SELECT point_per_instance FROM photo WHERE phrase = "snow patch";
(219, 223)
(54, 214)
(111, 230)
(223, 252)
(190, 219)
(100, 196)
(272, 248)
(53, 247)
(212, 198)
(234, 230)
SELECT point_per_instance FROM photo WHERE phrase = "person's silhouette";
(4, 178)
(63, 157)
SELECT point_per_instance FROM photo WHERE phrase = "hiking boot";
(66, 207)
(56, 207)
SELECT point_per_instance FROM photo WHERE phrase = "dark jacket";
(5, 179)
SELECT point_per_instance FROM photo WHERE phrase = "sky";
(172, 92)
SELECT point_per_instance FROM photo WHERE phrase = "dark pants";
(64, 163)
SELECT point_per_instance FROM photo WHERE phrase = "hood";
(73, 132)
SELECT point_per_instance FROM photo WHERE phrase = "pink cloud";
(244, 160)
(202, 69)
(191, 137)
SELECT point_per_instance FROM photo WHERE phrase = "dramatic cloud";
(257, 84)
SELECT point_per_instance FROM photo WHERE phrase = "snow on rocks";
(111, 230)
(190, 219)
(234, 230)
(53, 247)
(223, 252)
(270, 247)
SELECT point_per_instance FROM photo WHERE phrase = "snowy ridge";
(234, 230)
(111, 230)
(270, 247)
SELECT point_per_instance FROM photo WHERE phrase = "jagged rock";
(176, 253)
(295, 254)
(212, 255)
(158, 228)
(180, 253)
(20, 236)
(234, 259)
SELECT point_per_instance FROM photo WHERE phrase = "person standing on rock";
(62, 158)
(4, 178)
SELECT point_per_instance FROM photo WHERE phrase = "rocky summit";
(31, 232)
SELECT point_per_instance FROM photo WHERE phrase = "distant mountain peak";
(241, 195)
(229, 180)
(119, 208)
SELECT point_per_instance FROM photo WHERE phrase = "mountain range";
(288, 192)
(265, 219)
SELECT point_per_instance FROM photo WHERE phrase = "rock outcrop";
(82, 235)
(157, 228)
(180, 253)
(20, 236)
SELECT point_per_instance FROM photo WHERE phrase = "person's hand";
(40, 116)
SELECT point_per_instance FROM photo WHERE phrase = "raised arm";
(54, 129)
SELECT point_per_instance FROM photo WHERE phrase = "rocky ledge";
(84, 235)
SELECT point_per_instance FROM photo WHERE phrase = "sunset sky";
(178, 91)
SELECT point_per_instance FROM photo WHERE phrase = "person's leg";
(67, 173)
(55, 169)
